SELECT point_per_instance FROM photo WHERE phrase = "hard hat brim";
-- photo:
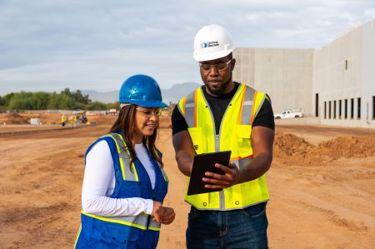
(148, 104)
(212, 56)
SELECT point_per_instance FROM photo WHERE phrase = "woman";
(124, 184)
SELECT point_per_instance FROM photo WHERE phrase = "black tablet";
(202, 163)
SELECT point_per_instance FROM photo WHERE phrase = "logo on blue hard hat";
(209, 44)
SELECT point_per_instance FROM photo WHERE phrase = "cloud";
(95, 44)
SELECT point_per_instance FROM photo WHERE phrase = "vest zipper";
(217, 148)
(217, 137)
(217, 142)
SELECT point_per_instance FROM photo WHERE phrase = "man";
(225, 115)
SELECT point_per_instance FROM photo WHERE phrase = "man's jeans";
(243, 228)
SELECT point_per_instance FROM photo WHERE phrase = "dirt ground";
(322, 187)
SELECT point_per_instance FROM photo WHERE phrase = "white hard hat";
(212, 42)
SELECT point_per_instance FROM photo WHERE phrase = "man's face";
(217, 74)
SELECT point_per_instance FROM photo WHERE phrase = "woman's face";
(146, 121)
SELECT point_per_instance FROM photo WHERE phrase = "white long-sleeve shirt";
(99, 183)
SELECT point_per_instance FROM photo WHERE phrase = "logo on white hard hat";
(212, 42)
(209, 44)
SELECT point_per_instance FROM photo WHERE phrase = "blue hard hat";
(141, 90)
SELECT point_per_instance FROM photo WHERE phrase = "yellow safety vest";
(235, 135)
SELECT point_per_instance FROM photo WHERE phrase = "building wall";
(285, 74)
(337, 76)
(317, 81)
(344, 70)
(368, 72)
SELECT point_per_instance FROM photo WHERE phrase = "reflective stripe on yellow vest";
(129, 173)
(235, 135)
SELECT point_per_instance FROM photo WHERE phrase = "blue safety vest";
(132, 180)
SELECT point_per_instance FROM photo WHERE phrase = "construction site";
(322, 178)
(321, 182)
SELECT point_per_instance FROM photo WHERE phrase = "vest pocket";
(243, 133)
(196, 137)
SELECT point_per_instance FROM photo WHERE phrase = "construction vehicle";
(81, 117)
(78, 117)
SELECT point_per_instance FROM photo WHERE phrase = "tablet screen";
(202, 163)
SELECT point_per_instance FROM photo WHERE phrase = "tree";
(20, 102)
(80, 98)
(96, 105)
(61, 101)
(115, 105)
(66, 92)
(41, 100)
(7, 98)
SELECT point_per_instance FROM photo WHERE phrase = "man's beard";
(219, 91)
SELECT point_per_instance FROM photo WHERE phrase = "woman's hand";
(155, 211)
(166, 215)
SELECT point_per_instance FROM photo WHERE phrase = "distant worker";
(64, 120)
(219, 116)
(74, 120)
(83, 118)
(124, 182)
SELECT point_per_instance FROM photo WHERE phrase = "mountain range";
(172, 94)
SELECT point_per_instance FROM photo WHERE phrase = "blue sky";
(91, 44)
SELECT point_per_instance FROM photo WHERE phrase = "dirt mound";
(102, 119)
(24, 118)
(287, 145)
(349, 147)
(50, 118)
(13, 118)
(55, 118)
(46, 118)
(164, 120)
(290, 148)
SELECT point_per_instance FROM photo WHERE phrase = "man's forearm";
(184, 151)
(256, 168)
(185, 163)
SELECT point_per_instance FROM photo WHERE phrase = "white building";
(335, 83)
(285, 74)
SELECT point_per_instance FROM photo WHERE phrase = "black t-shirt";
(218, 105)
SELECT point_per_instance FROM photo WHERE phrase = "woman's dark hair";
(126, 123)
